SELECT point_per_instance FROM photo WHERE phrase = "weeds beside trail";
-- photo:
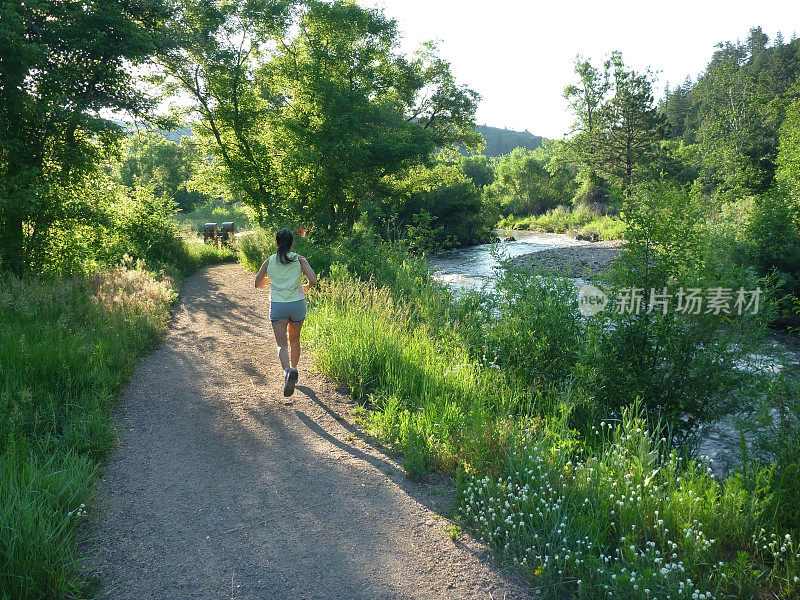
(67, 347)
(521, 400)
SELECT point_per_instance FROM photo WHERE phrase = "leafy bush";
(433, 208)
(529, 182)
(142, 226)
(159, 164)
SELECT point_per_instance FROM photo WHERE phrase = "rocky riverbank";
(583, 261)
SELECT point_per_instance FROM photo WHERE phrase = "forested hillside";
(502, 141)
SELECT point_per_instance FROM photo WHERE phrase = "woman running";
(287, 301)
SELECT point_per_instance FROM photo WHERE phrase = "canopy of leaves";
(735, 109)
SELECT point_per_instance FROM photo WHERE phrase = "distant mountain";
(498, 141)
(502, 141)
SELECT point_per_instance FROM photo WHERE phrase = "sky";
(519, 55)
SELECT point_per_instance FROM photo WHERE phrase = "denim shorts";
(294, 311)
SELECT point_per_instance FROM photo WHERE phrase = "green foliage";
(525, 185)
(664, 233)
(503, 390)
(676, 107)
(143, 227)
(63, 63)
(313, 129)
(788, 160)
(682, 367)
(773, 236)
(586, 97)
(776, 429)
(734, 112)
(538, 333)
(478, 169)
(422, 236)
(66, 348)
(618, 125)
(439, 207)
(163, 166)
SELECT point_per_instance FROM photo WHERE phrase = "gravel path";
(221, 488)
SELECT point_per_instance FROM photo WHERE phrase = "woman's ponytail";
(284, 239)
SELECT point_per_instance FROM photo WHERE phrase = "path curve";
(221, 488)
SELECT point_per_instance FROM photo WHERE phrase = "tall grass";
(66, 348)
(432, 400)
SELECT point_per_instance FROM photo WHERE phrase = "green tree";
(617, 127)
(216, 48)
(61, 63)
(309, 107)
(153, 161)
(443, 201)
(788, 160)
(677, 110)
(587, 96)
(630, 127)
(524, 185)
(478, 168)
(736, 109)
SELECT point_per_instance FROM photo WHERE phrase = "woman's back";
(285, 279)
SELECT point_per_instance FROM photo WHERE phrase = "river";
(472, 267)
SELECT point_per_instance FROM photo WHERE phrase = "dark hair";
(284, 239)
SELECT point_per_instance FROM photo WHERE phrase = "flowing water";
(472, 267)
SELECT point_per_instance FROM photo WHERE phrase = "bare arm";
(309, 272)
(261, 276)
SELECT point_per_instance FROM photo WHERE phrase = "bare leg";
(279, 327)
(294, 342)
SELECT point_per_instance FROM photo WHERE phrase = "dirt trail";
(221, 488)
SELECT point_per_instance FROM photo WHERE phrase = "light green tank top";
(284, 280)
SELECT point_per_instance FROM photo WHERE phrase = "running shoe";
(290, 378)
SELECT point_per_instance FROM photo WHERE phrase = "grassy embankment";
(577, 221)
(67, 346)
(586, 507)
